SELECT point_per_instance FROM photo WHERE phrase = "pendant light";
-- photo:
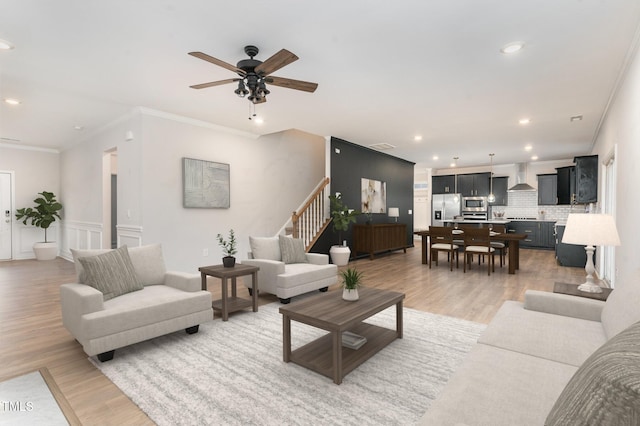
(491, 198)
(456, 199)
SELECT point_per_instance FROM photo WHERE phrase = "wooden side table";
(572, 289)
(227, 304)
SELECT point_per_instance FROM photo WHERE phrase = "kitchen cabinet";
(500, 186)
(566, 184)
(569, 254)
(444, 184)
(539, 233)
(474, 184)
(547, 189)
(586, 179)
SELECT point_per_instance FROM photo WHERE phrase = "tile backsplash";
(525, 204)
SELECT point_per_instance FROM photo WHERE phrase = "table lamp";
(591, 230)
(394, 212)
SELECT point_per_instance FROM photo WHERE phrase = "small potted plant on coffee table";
(351, 280)
(229, 249)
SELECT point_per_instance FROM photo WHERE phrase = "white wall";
(36, 170)
(270, 177)
(622, 127)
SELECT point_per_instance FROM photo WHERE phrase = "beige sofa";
(166, 302)
(550, 360)
(286, 270)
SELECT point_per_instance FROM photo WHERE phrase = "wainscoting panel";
(80, 236)
(131, 236)
(27, 235)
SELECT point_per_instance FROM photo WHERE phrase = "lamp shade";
(394, 212)
(591, 230)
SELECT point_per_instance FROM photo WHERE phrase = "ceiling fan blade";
(277, 61)
(217, 61)
(292, 84)
(214, 83)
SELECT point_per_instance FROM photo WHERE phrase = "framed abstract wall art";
(206, 184)
(374, 196)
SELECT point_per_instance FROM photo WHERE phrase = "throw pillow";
(292, 250)
(78, 253)
(606, 388)
(111, 273)
(265, 248)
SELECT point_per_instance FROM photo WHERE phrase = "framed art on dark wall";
(206, 184)
(374, 196)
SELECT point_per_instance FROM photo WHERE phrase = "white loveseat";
(166, 302)
(289, 272)
(553, 360)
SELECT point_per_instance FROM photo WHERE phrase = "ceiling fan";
(255, 74)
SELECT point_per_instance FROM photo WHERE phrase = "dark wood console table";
(378, 238)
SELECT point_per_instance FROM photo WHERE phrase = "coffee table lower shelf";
(318, 354)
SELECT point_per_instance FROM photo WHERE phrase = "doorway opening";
(110, 198)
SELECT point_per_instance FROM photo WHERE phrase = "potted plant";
(351, 280)
(42, 215)
(229, 249)
(341, 217)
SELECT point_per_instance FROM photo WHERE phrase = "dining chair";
(500, 246)
(477, 241)
(441, 239)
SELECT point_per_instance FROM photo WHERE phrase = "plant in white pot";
(42, 215)
(351, 280)
(229, 249)
(341, 217)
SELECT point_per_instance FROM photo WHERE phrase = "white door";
(5, 216)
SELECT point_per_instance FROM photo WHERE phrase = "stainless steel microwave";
(475, 204)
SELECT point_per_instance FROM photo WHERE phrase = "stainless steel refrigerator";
(444, 207)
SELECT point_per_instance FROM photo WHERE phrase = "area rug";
(232, 373)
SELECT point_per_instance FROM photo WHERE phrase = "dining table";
(512, 239)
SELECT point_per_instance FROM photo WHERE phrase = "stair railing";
(312, 219)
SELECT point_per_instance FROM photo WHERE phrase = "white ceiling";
(386, 72)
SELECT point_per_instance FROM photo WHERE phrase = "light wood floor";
(32, 335)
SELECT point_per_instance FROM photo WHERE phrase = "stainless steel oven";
(475, 204)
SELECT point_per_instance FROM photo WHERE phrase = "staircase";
(310, 221)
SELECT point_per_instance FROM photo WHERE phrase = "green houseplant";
(351, 280)
(341, 217)
(42, 216)
(229, 249)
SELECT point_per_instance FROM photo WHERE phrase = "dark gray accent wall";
(349, 164)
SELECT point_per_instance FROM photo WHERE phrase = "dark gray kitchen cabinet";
(586, 179)
(500, 186)
(474, 184)
(566, 184)
(539, 233)
(547, 189)
(444, 184)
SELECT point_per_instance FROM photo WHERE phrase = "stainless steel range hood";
(521, 179)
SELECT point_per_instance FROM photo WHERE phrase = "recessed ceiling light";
(259, 120)
(78, 127)
(435, 157)
(5, 45)
(576, 118)
(528, 148)
(534, 157)
(513, 47)
(524, 121)
(12, 101)
(417, 138)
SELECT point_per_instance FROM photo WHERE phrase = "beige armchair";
(103, 319)
(286, 270)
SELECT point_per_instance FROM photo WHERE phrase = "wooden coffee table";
(328, 311)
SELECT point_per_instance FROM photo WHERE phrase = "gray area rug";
(232, 373)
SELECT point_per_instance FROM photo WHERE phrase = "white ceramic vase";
(340, 255)
(45, 251)
(350, 295)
